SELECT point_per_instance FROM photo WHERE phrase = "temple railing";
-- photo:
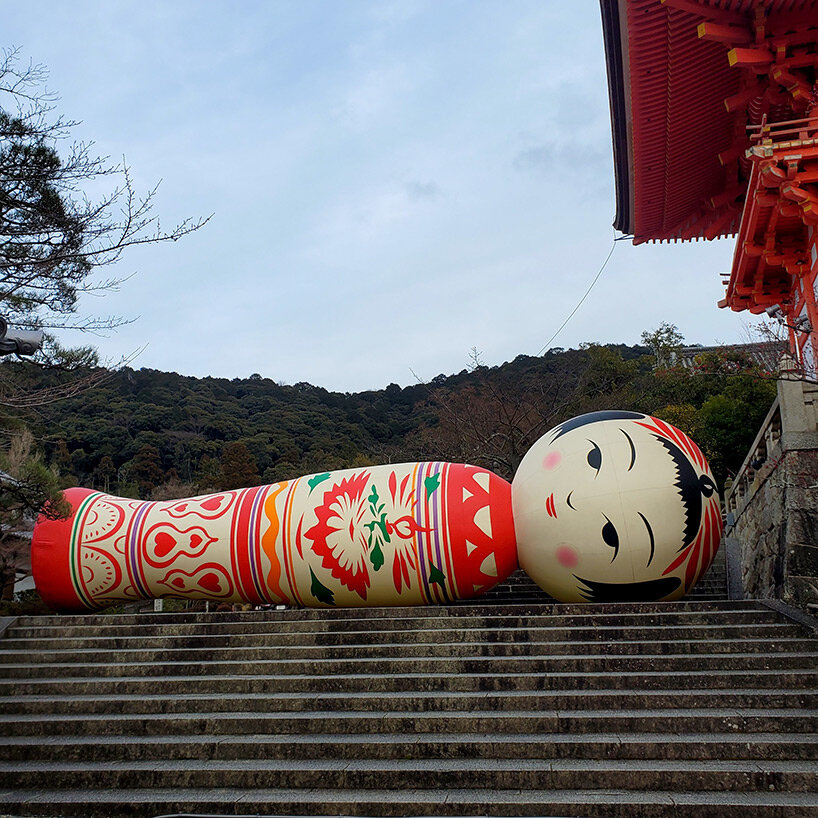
(784, 134)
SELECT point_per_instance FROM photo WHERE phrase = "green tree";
(26, 486)
(731, 419)
(145, 469)
(665, 342)
(105, 472)
(238, 467)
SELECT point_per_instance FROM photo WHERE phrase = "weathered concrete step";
(267, 638)
(518, 773)
(732, 621)
(412, 618)
(391, 614)
(715, 591)
(704, 595)
(693, 746)
(423, 701)
(583, 663)
(199, 684)
(614, 803)
(676, 720)
(396, 651)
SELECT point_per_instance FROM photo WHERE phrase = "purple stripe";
(136, 562)
(253, 543)
(424, 572)
(441, 561)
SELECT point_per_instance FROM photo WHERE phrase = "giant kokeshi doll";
(615, 506)
(409, 534)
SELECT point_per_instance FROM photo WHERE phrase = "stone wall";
(772, 507)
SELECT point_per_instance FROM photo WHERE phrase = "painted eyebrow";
(650, 534)
(633, 452)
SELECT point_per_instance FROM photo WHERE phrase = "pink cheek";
(567, 557)
(551, 461)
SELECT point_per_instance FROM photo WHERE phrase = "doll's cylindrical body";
(407, 534)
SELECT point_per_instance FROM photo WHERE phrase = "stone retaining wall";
(772, 507)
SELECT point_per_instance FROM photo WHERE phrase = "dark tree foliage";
(145, 469)
(238, 467)
(488, 416)
(25, 483)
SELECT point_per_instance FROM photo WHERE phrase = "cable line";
(579, 304)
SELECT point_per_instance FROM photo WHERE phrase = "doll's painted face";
(615, 507)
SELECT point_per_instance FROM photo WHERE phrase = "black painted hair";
(691, 487)
(593, 417)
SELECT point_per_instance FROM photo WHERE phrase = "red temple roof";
(686, 78)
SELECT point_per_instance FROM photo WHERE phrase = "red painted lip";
(550, 508)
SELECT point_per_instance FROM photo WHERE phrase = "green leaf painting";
(376, 557)
(432, 484)
(437, 576)
(320, 591)
(317, 480)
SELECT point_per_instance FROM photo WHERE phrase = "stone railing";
(772, 505)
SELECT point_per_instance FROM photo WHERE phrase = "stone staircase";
(691, 708)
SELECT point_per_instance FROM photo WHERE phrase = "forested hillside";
(156, 434)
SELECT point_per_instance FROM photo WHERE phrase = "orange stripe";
(287, 544)
(268, 543)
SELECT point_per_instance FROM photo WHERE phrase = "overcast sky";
(393, 182)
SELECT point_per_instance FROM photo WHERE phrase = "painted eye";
(610, 537)
(595, 457)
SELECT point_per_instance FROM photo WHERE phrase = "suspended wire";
(579, 303)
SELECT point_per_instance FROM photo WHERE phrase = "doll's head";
(615, 506)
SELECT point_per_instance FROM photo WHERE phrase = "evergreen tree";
(145, 469)
(238, 467)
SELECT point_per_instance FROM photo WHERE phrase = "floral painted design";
(361, 530)
(339, 536)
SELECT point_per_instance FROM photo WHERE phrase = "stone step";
(341, 774)
(269, 637)
(664, 720)
(390, 803)
(425, 701)
(692, 708)
(546, 663)
(395, 651)
(638, 745)
(340, 615)
(621, 679)
(294, 621)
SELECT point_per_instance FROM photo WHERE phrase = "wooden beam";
(718, 15)
(742, 98)
(750, 57)
(798, 87)
(736, 150)
(721, 33)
